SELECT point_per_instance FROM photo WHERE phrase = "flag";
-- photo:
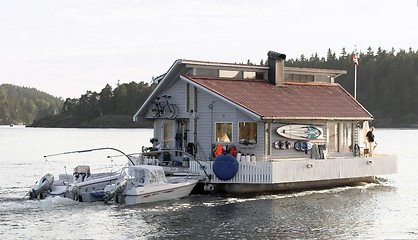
(355, 60)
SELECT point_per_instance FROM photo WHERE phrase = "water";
(373, 211)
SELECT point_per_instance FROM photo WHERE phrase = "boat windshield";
(137, 174)
(157, 176)
(145, 176)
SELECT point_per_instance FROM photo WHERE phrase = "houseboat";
(259, 128)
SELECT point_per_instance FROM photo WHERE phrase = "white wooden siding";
(223, 112)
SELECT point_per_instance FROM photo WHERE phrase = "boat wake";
(210, 201)
(383, 184)
(10, 201)
(12, 193)
(25, 205)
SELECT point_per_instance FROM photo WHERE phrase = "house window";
(168, 136)
(332, 137)
(247, 132)
(250, 75)
(230, 74)
(340, 137)
(223, 132)
(346, 134)
(206, 72)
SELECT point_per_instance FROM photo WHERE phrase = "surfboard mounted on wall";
(301, 132)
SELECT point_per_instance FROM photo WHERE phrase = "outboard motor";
(113, 190)
(41, 187)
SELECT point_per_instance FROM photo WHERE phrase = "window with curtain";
(346, 135)
(332, 137)
(168, 136)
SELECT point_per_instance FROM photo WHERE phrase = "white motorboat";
(148, 183)
(81, 185)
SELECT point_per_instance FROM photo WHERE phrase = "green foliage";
(125, 99)
(387, 81)
(24, 105)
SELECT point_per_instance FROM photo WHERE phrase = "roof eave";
(219, 65)
(174, 70)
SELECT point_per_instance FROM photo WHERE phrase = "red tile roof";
(291, 101)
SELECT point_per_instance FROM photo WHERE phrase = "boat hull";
(246, 188)
(158, 193)
(90, 190)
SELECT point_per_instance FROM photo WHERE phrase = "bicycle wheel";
(176, 110)
(154, 111)
(170, 111)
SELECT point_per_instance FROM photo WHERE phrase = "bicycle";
(163, 107)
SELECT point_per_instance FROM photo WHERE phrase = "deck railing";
(300, 170)
(248, 172)
(297, 170)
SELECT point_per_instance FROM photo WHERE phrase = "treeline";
(124, 99)
(107, 108)
(387, 81)
(387, 85)
(22, 105)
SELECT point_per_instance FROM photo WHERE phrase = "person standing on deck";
(370, 139)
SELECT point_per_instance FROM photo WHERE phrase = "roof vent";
(276, 68)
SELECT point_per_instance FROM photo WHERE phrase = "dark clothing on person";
(370, 136)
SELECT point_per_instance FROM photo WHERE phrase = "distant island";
(107, 109)
(111, 108)
(104, 121)
(23, 105)
(387, 86)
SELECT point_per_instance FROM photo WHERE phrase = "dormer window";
(230, 74)
(237, 74)
(250, 75)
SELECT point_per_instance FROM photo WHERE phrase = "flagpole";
(355, 81)
(355, 61)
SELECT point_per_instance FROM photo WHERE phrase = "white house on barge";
(260, 128)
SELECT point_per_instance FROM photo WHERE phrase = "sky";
(66, 47)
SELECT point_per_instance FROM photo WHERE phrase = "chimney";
(276, 68)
